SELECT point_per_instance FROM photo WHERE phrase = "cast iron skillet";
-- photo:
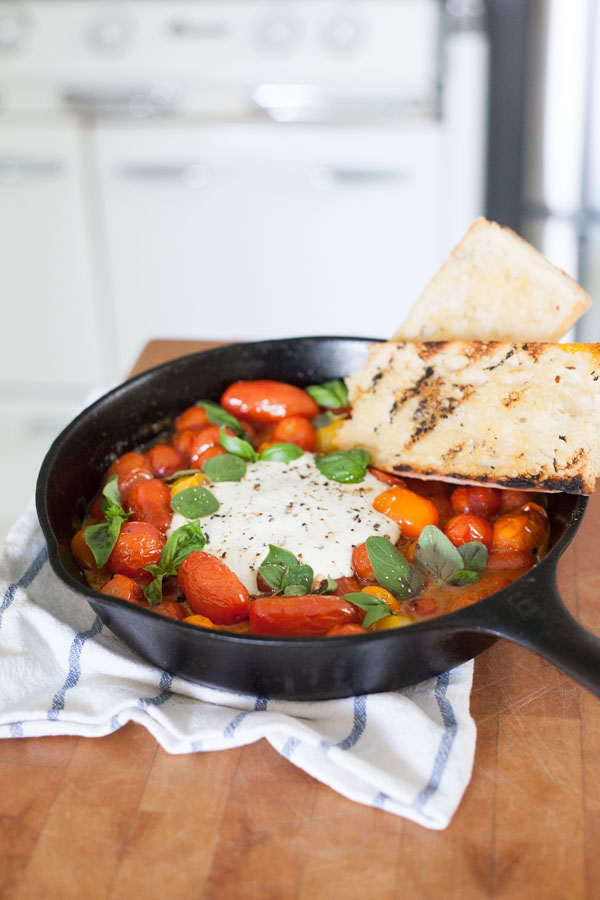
(529, 612)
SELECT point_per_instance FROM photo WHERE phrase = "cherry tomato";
(362, 564)
(510, 499)
(424, 607)
(409, 510)
(194, 418)
(212, 589)
(346, 585)
(375, 590)
(310, 614)
(343, 630)
(82, 552)
(139, 544)
(481, 501)
(165, 460)
(387, 478)
(265, 401)
(125, 588)
(202, 621)
(489, 583)
(467, 527)
(207, 454)
(129, 468)
(525, 528)
(150, 501)
(509, 559)
(95, 511)
(295, 430)
(170, 608)
(436, 491)
(326, 437)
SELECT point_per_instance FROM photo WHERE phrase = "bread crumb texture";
(521, 415)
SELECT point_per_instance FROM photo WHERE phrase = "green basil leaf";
(278, 555)
(218, 416)
(333, 394)
(284, 573)
(437, 554)
(236, 445)
(374, 607)
(324, 419)
(153, 591)
(464, 576)
(195, 502)
(392, 570)
(326, 587)
(273, 575)
(224, 468)
(183, 541)
(344, 466)
(111, 497)
(282, 452)
(102, 538)
(298, 580)
(474, 555)
(182, 473)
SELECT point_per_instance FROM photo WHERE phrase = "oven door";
(258, 230)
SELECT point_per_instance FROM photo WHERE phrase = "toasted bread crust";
(515, 415)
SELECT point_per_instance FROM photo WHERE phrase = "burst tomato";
(139, 544)
(525, 528)
(264, 402)
(212, 589)
(125, 588)
(467, 527)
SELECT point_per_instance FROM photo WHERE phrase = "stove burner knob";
(343, 34)
(110, 35)
(14, 30)
(277, 32)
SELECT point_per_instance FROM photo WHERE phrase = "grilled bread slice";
(495, 286)
(513, 415)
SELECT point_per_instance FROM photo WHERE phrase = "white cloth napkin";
(63, 672)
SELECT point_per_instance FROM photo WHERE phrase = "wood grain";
(117, 817)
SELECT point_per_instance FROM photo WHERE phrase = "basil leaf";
(344, 466)
(437, 554)
(195, 502)
(279, 555)
(298, 580)
(464, 576)
(331, 393)
(236, 445)
(323, 419)
(374, 607)
(284, 573)
(153, 591)
(182, 473)
(224, 468)
(474, 555)
(180, 544)
(218, 416)
(282, 452)
(102, 538)
(392, 570)
(327, 587)
(273, 575)
(111, 498)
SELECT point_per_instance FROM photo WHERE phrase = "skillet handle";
(534, 616)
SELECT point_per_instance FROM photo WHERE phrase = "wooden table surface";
(117, 817)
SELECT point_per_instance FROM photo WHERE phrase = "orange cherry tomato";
(499, 560)
(139, 544)
(481, 501)
(264, 402)
(386, 477)
(202, 621)
(375, 590)
(129, 468)
(295, 430)
(466, 527)
(362, 564)
(510, 499)
(194, 418)
(343, 630)
(165, 460)
(82, 552)
(207, 454)
(125, 588)
(436, 491)
(489, 583)
(409, 510)
(525, 528)
(310, 614)
(212, 589)
(150, 501)
(170, 608)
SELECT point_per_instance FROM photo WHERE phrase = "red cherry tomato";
(423, 607)
(510, 499)
(343, 630)
(295, 430)
(165, 460)
(489, 583)
(207, 454)
(212, 589)
(409, 510)
(129, 468)
(125, 588)
(387, 478)
(467, 527)
(194, 418)
(481, 501)
(435, 491)
(499, 560)
(362, 564)
(139, 544)
(311, 614)
(150, 501)
(170, 608)
(82, 552)
(265, 401)
(347, 585)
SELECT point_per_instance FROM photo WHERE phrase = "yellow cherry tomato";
(382, 594)
(390, 622)
(409, 510)
(188, 481)
(200, 620)
(325, 438)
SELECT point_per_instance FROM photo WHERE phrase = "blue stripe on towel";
(260, 705)
(445, 746)
(289, 747)
(166, 680)
(74, 673)
(24, 581)
(358, 726)
(16, 730)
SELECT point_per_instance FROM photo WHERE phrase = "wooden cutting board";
(116, 817)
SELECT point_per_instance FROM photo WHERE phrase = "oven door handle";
(139, 104)
(324, 177)
(19, 169)
(194, 175)
(311, 103)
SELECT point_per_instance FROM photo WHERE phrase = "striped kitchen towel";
(63, 672)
